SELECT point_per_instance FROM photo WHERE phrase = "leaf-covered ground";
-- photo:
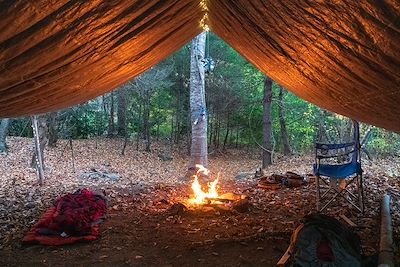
(140, 230)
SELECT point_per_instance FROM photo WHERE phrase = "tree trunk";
(237, 138)
(125, 140)
(53, 131)
(210, 130)
(267, 125)
(39, 135)
(139, 123)
(188, 135)
(4, 123)
(219, 132)
(146, 120)
(158, 129)
(179, 110)
(172, 133)
(284, 136)
(364, 141)
(226, 134)
(348, 127)
(121, 112)
(111, 124)
(40, 122)
(322, 136)
(198, 150)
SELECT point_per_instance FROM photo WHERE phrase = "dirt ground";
(132, 237)
(141, 229)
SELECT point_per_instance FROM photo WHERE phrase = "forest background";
(155, 105)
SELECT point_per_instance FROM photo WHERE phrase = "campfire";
(209, 196)
(199, 196)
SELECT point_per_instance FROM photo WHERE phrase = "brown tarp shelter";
(342, 55)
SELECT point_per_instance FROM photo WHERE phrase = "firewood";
(211, 199)
(347, 220)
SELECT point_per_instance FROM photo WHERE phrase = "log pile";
(277, 181)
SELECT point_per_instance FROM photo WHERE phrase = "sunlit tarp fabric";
(341, 55)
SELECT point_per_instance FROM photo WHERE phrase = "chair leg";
(318, 192)
(356, 199)
(361, 189)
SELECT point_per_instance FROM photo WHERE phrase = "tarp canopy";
(343, 56)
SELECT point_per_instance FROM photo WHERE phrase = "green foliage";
(83, 121)
(234, 95)
(384, 143)
(21, 127)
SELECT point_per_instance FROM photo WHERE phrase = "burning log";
(211, 198)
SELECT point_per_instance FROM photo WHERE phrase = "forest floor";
(141, 230)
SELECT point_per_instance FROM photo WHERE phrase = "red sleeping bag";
(74, 217)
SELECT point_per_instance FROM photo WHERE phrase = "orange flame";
(200, 195)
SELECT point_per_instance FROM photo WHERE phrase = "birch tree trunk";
(39, 122)
(39, 139)
(267, 125)
(198, 150)
(4, 123)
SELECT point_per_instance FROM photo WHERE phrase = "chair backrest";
(339, 160)
(339, 154)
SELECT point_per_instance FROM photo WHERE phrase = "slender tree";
(267, 124)
(53, 131)
(111, 122)
(4, 123)
(198, 150)
(322, 135)
(284, 136)
(146, 119)
(39, 126)
(39, 134)
(121, 111)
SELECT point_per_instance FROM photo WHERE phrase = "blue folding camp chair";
(338, 173)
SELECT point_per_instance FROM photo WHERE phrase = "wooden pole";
(39, 160)
(386, 253)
